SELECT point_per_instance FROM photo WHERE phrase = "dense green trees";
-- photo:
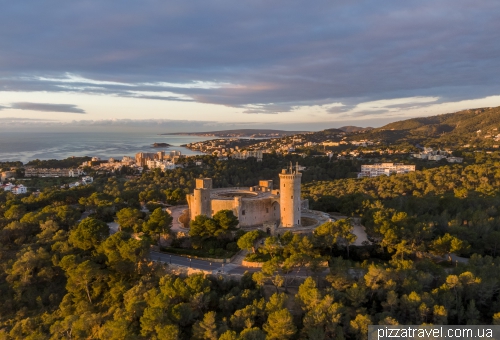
(215, 234)
(89, 233)
(420, 207)
(129, 219)
(248, 240)
(65, 278)
(159, 222)
(339, 232)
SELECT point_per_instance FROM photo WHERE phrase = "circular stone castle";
(255, 206)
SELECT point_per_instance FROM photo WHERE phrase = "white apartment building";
(7, 186)
(454, 159)
(87, 179)
(420, 155)
(33, 172)
(378, 169)
(15, 189)
(163, 165)
(436, 157)
(19, 189)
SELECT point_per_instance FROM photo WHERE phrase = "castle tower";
(200, 202)
(290, 197)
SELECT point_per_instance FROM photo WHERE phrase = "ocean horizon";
(15, 146)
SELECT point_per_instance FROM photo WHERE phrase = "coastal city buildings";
(164, 160)
(141, 158)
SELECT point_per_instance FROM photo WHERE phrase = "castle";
(254, 206)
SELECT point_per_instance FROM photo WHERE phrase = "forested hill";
(468, 126)
(475, 127)
(462, 122)
(351, 128)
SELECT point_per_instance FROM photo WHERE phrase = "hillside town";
(333, 143)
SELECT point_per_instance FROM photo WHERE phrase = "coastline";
(46, 145)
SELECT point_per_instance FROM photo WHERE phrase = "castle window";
(212, 212)
(274, 207)
(267, 210)
(243, 212)
(284, 209)
(283, 185)
(298, 221)
(292, 197)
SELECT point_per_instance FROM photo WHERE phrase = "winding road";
(235, 267)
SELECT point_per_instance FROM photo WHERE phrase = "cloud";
(3, 107)
(43, 107)
(72, 78)
(264, 57)
(30, 120)
(266, 108)
(162, 95)
(379, 107)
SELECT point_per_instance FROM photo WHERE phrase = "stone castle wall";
(256, 212)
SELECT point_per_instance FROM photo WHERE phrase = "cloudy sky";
(202, 64)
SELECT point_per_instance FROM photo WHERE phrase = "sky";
(209, 65)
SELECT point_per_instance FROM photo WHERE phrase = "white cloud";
(73, 78)
(160, 94)
(77, 79)
(206, 85)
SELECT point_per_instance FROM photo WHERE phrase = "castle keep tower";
(290, 197)
(201, 204)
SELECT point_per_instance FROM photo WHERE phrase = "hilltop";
(474, 125)
(351, 128)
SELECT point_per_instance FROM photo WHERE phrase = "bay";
(15, 146)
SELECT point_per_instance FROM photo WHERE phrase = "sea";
(15, 146)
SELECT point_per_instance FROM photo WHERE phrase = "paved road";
(176, 212)
(113, 227)
(456, 258)
(216, 268)
(185, 262)
(85, 214)
(360, 232)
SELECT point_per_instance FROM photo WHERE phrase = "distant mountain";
(240, 133)
(351, 128)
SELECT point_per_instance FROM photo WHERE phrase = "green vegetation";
(71, 162)
(5, 166)
(62, 275)
(420, 207)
